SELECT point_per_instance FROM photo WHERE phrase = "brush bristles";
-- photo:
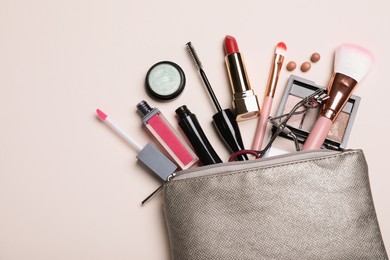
(353, 61)
(281, 48)
(194, 56)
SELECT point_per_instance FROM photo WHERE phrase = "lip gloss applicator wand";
(351, 64)
(224, 119)
(149, 155)
(277, 64)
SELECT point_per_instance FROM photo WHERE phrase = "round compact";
(165, 80)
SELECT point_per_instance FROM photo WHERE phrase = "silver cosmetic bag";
(305, 205)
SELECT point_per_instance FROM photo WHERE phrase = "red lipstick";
(230, 45)
(245, 102)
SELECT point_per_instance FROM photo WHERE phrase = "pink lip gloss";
(162, 130)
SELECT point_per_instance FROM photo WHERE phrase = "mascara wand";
(224, 120)
(199, 67)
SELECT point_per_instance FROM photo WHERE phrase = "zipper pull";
(170, 177)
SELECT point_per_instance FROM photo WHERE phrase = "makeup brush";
(351, 65)
(224, 119)
(277, 64)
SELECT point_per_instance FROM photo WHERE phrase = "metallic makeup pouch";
(305, 205)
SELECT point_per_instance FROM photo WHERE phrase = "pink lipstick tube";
(165, 134)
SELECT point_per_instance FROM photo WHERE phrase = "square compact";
(298, 88)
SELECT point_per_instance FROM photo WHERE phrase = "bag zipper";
(156, 191)
(241, 165)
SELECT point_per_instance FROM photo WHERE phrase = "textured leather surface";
(320, 208)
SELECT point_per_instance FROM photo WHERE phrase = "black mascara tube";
(192, 129)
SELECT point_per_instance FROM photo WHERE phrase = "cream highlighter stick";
(277, 64)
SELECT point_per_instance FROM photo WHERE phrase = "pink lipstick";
(245, 103)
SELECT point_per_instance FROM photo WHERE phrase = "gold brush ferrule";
(274, 75)
(245, 103)
(340, 89)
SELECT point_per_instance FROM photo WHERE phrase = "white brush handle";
(123, 134)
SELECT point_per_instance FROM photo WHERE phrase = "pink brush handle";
(262, 123)
(318, 133)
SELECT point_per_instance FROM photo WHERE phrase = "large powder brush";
(351, 65)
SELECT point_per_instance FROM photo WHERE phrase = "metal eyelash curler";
(312, 101)
(285, 130)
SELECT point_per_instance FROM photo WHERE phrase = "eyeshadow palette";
(298, 88)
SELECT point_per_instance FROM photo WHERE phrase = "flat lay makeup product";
(148, 155)
(351, 64)
(306, 66)
(156, 123)
(276, 66)
(165, 80)
(301, 124)
(194, 132)
(291, 66)
(224, 120)
(245, 102)
(315, 57)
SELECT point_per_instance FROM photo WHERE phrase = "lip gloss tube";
(165, 134)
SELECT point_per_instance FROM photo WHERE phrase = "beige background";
(70, 188)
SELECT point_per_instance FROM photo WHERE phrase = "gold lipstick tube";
(340, 89)
(245, 103)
